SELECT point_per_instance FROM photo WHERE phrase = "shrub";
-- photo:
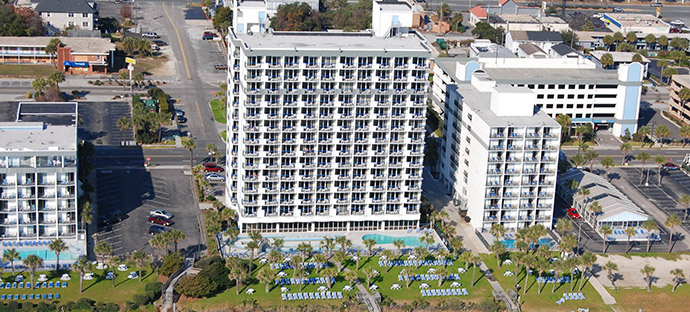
(154, 290)
(140, 300)
(28, 94)
(106, 307)
(204, 263)
(156, 92)
(218, 274)
(210, 198)
(164, 104)
(196, 286)
(90, 82)
(97, 83)
(171, 263)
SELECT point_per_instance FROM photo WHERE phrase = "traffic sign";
(130, 60)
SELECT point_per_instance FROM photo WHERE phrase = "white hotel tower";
(327, 129)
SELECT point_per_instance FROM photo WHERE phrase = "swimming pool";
(510, 243)
(47, 254)
(410, 241)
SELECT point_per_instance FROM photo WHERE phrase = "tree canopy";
(297, 16)
(484, 31)
(20, 22)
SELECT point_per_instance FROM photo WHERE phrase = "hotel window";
(70, 14)
(85, 24)
(70, 23)
(85, 15)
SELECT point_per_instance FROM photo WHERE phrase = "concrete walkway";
(608, 299)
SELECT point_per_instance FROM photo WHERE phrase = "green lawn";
(28, 71)
(546, 301)
(98, 289)
(661, 299)
(218, 111)
(384, 280)
(224, 135)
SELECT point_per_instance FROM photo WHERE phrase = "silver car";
(160, 213)
(214, 177)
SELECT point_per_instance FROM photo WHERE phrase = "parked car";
(151, 35)
(161, 213)
(179, 112)
(670, 166)
(221, 67)
(677, 23)
(617, 10)
(656, 4)
(214, 177)
(598, 15)
(208, 35)
(674, 30)
(160, 220)
(573, 213)
(112, 217)
(211, 167)
(533, 4)
(160, 43)
(157, 229)
(181, 119)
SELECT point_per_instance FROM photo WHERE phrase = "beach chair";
(7, 285)
(340, 295)
(21, 285)
(27, 285)
(64, 284)
(421, 291)
(560, 301)
(57, 296)
(582, 297)
(16, 297)
(50, 285)
(14, 285)
(31, 296)
(23, 296)
(464, 292)
(284, 296)
(44, 285)
(311, 296)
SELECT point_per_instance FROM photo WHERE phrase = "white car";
(151, 35)
(214, 177)
(677, 23)
(598, 15)
(161, 213)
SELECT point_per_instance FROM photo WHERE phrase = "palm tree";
(568, 243)
(650, 226)
(606, 60)
(296, 262)
(497, 230)
(57, 246)
(319, 258)
(404, 272)
(113, 262)
(572, 263)
(175, 236)
(343, 242)
(358, 257)
(591, 156)
(370, 243)
(650, 39)
(541, 266)
(678, 277)
(389, 255)
(663, 41)
(595, 209)
(587, 260)
(611, 267)
(563, 225)
(608, 41)
(305, 250)
(399, 245)
(685, 200)
(278, 243)
(239, 274)
(212, 150)
(442, 255)
(32, 262)
(369, 273)
(626, 148)
(558, 267)
(140, 258)
(442, 216)
(668, 73)
(605, 232)
(123, 123)
(608, 163)
(103, 249)
(265, 275)
(672, 221)
(428, 240)
(662, 64)
(660, 161)
(252, 246)
(663, 133)
(352, 277)
(583, 192)
(629, 232)
(498, 249)
(39, 84)
(159, 242)
(685, 129)
(643, 157)
(443, 273)
(421, 253)
(340, 257)
(274, 256)
(648, 271)
(329, 273)
(327, 244)
(9, 256)
(528, 261)
(82, 266)
(188, 144)
(86, 213)
(456, 245)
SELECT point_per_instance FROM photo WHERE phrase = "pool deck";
(315, 238)
(490, 239)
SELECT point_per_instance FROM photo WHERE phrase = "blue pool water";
(410, 241)
(510, 243)
(47, 254)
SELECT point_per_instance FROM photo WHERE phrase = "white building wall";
(60, 21)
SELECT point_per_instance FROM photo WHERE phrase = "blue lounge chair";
(44, 285)
(27, 285)
(37, 285)
(340, 295)
(3, 296)
(281, 295)
(50, 296)
(14, 285)
(21, 285)
(582, 297)
(464, 292)
(64, 284)
(7, 285)
(50, 285)
(57, 284)
(16, 297)
(57, 296)
(23, 296)
(31, 296)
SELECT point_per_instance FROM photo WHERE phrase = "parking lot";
(100, 122)
(135, 193)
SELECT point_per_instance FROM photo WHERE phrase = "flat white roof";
(78, 45)
(333, 41)
(619, 57)
(37, 136)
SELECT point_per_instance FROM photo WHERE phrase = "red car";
(573, 213)
(211, 167)
(160, 220)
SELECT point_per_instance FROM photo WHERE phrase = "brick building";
(75, 56)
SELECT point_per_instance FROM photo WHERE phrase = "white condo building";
(38, 178)
(254, 16)
(577, 87)
(327, 130)
(499, 153)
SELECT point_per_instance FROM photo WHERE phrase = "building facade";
(678, 106)
(499, 154)
(253, 16)
(38, 175)
(58, 15)
(75, 56)
(608, 99)
(327, 130)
